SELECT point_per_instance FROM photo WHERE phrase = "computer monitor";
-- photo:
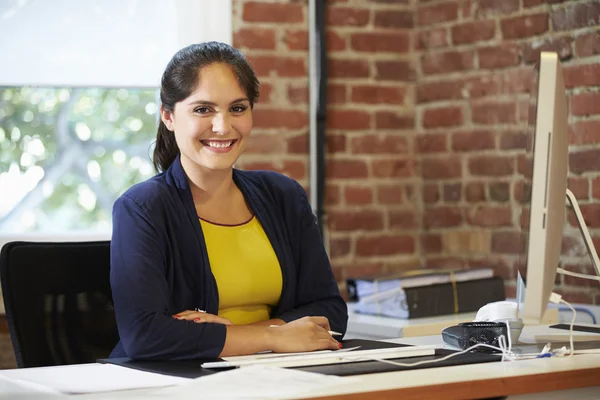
(545, 202)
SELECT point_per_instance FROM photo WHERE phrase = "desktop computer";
(546, 193)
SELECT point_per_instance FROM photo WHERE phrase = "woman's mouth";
(219, 146)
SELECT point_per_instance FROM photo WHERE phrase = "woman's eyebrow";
(210, 103)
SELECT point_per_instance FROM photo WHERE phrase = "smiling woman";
(241, 245)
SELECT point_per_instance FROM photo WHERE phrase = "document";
(257, 381)
(86, 378)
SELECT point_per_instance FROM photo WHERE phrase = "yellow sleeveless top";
(246, 269)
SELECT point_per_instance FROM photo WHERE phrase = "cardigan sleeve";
(317, 292)
(139, 259)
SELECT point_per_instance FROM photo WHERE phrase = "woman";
(210, 261)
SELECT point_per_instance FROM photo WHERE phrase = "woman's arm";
(317, 293)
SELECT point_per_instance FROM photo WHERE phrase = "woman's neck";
(208, 184)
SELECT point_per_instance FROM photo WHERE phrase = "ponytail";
(165, 150)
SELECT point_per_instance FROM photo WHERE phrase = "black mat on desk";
(192, 369)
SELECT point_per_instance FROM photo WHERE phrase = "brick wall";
(426, 114)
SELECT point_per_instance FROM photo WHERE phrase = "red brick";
(338, 16)
(297, 94)
(442, 217)
(475, 192)
(432, 143)
(591, 215)
(441, 168)
(394, 19)
(494, 113)
(265, 93)
(472, 141)
(512, 140)
(397, 42)
(272, 12)
(580, 187)
(561, 46)
(296, 39)
(596, 189)
(378, 144)
(347, 68)
(339, 247)
(582, 75)
(332, 194)
(336, 94)
(498, 56)
(577, 15)
(348, 119)
(334, 41)
(402, 219)
(585, 103)
(584, 132)
(382, 245)
(264, 144)
(519, 80)
(584, 161)
(588, 44)
(438, 90)
(452, 192)
(442, 117)
(346, 169)
(524, 26)
(499, 191)
(282, 66)
(432, 38)
(437, 13)
(367, 220)
(394, 168)
(431, 243)
(445, 263)
(431, 193)
(450, 61)
(391, 120)
(390, 194)
(298, 144)
(489, 217)
(335, 143)
(395, 71)
(358, 195)
(491, 166)
(508, 242)
(364, 269)
(374, 94)
(482, 86)
(495, 7)
(532, 3)
(475, 31)
(255, 38)
(279, 118)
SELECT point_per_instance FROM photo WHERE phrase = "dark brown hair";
(181, 78)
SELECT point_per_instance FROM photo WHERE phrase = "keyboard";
(333, 357)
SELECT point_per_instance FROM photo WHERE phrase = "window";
(78, 104)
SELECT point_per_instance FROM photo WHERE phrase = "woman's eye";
(238, 109)
(202, 110)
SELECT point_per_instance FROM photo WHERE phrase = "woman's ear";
(167, 118)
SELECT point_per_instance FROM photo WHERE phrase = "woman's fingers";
(201, 317)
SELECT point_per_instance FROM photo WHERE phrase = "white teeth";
(219, 144)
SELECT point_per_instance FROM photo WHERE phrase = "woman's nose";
(221, 125)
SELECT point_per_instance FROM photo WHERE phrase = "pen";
(332, 333)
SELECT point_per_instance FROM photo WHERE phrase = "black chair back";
(58, 302)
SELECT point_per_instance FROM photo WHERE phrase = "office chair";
(58, 302)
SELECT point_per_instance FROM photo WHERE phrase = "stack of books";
(426, 293)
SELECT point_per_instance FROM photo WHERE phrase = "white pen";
(332, 333)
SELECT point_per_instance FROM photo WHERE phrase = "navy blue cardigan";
(159, 264)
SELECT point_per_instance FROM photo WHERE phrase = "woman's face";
(212, 125)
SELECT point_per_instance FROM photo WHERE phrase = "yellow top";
(246, 269)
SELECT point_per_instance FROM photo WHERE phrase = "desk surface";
(467, 381)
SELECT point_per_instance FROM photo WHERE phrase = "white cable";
(577, 274)
(572, 348)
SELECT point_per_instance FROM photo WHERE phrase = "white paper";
(88, 378)
(257, 381)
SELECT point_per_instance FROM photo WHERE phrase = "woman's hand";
(201, 317)
(304, 334)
